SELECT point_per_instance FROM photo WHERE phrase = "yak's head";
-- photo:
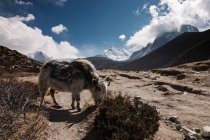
(100, 90)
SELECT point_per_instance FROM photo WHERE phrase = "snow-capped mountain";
(161, 40)
(117, 54)
(122, 54)
(39, 56)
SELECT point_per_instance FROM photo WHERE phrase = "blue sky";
(95, 25)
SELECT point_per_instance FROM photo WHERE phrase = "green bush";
(119, 118)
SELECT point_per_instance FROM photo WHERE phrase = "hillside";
(186, 48)
(11, 59)
(161, 40)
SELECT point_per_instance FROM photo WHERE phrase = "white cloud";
(145, 6)
(122, 37)
(20, 2)
(24, 19)
(59, 29)
(15, 34)
(137, 12)
(169, 15)
(59, 2)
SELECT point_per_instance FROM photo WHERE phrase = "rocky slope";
(11, 59)
(188, 47)
(161, 40)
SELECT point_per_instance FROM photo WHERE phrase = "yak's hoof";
(79, 109)
(73, 107)
(56, 104)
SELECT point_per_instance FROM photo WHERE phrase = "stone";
(137, 98)
(197, 130)
(190, 137)
(181, 77)
(177, 122)
(178, 127)
(188, 131)
(205, 132)
(173, 119)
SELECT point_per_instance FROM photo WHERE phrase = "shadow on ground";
(68, 116)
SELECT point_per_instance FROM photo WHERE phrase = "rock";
(81, 130)
(185, 93)
(137, 101)
(177, 122)
(137, 98)
(180, 76)
(206, 132)
(164, 118)
(196, 79)
(190, 137)
(197, 130)
(201, 67)
(188, 131)
(178, 127)
(173, 119)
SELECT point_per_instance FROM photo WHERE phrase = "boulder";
(206, 132)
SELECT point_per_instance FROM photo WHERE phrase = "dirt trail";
(172, 97)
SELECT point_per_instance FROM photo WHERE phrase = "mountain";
(39, 56)
(11, 59)
(104, 62)
(161, 40)
(117, 54)
(187, 47)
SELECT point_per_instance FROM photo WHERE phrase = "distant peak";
(188, 28)
(39, 56)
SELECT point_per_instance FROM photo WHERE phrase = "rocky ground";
(181, 95)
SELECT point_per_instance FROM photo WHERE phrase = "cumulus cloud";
(59, 29)
(122, 37)
(169, 15)
(24, 19)
(20, 2)
(16, 35)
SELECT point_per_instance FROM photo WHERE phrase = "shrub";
(118, 118)
(18, 117)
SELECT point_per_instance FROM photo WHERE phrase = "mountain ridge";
(161, 40)
(185, 48)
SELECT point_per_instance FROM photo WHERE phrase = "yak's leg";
(52, 93)
(76, 96)
(78, 101)
(73, 101)
(42, 89)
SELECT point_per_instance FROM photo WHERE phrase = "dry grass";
(18, 117)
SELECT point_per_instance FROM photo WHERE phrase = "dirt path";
(187, 98)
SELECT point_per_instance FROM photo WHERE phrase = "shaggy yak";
(72, 77)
